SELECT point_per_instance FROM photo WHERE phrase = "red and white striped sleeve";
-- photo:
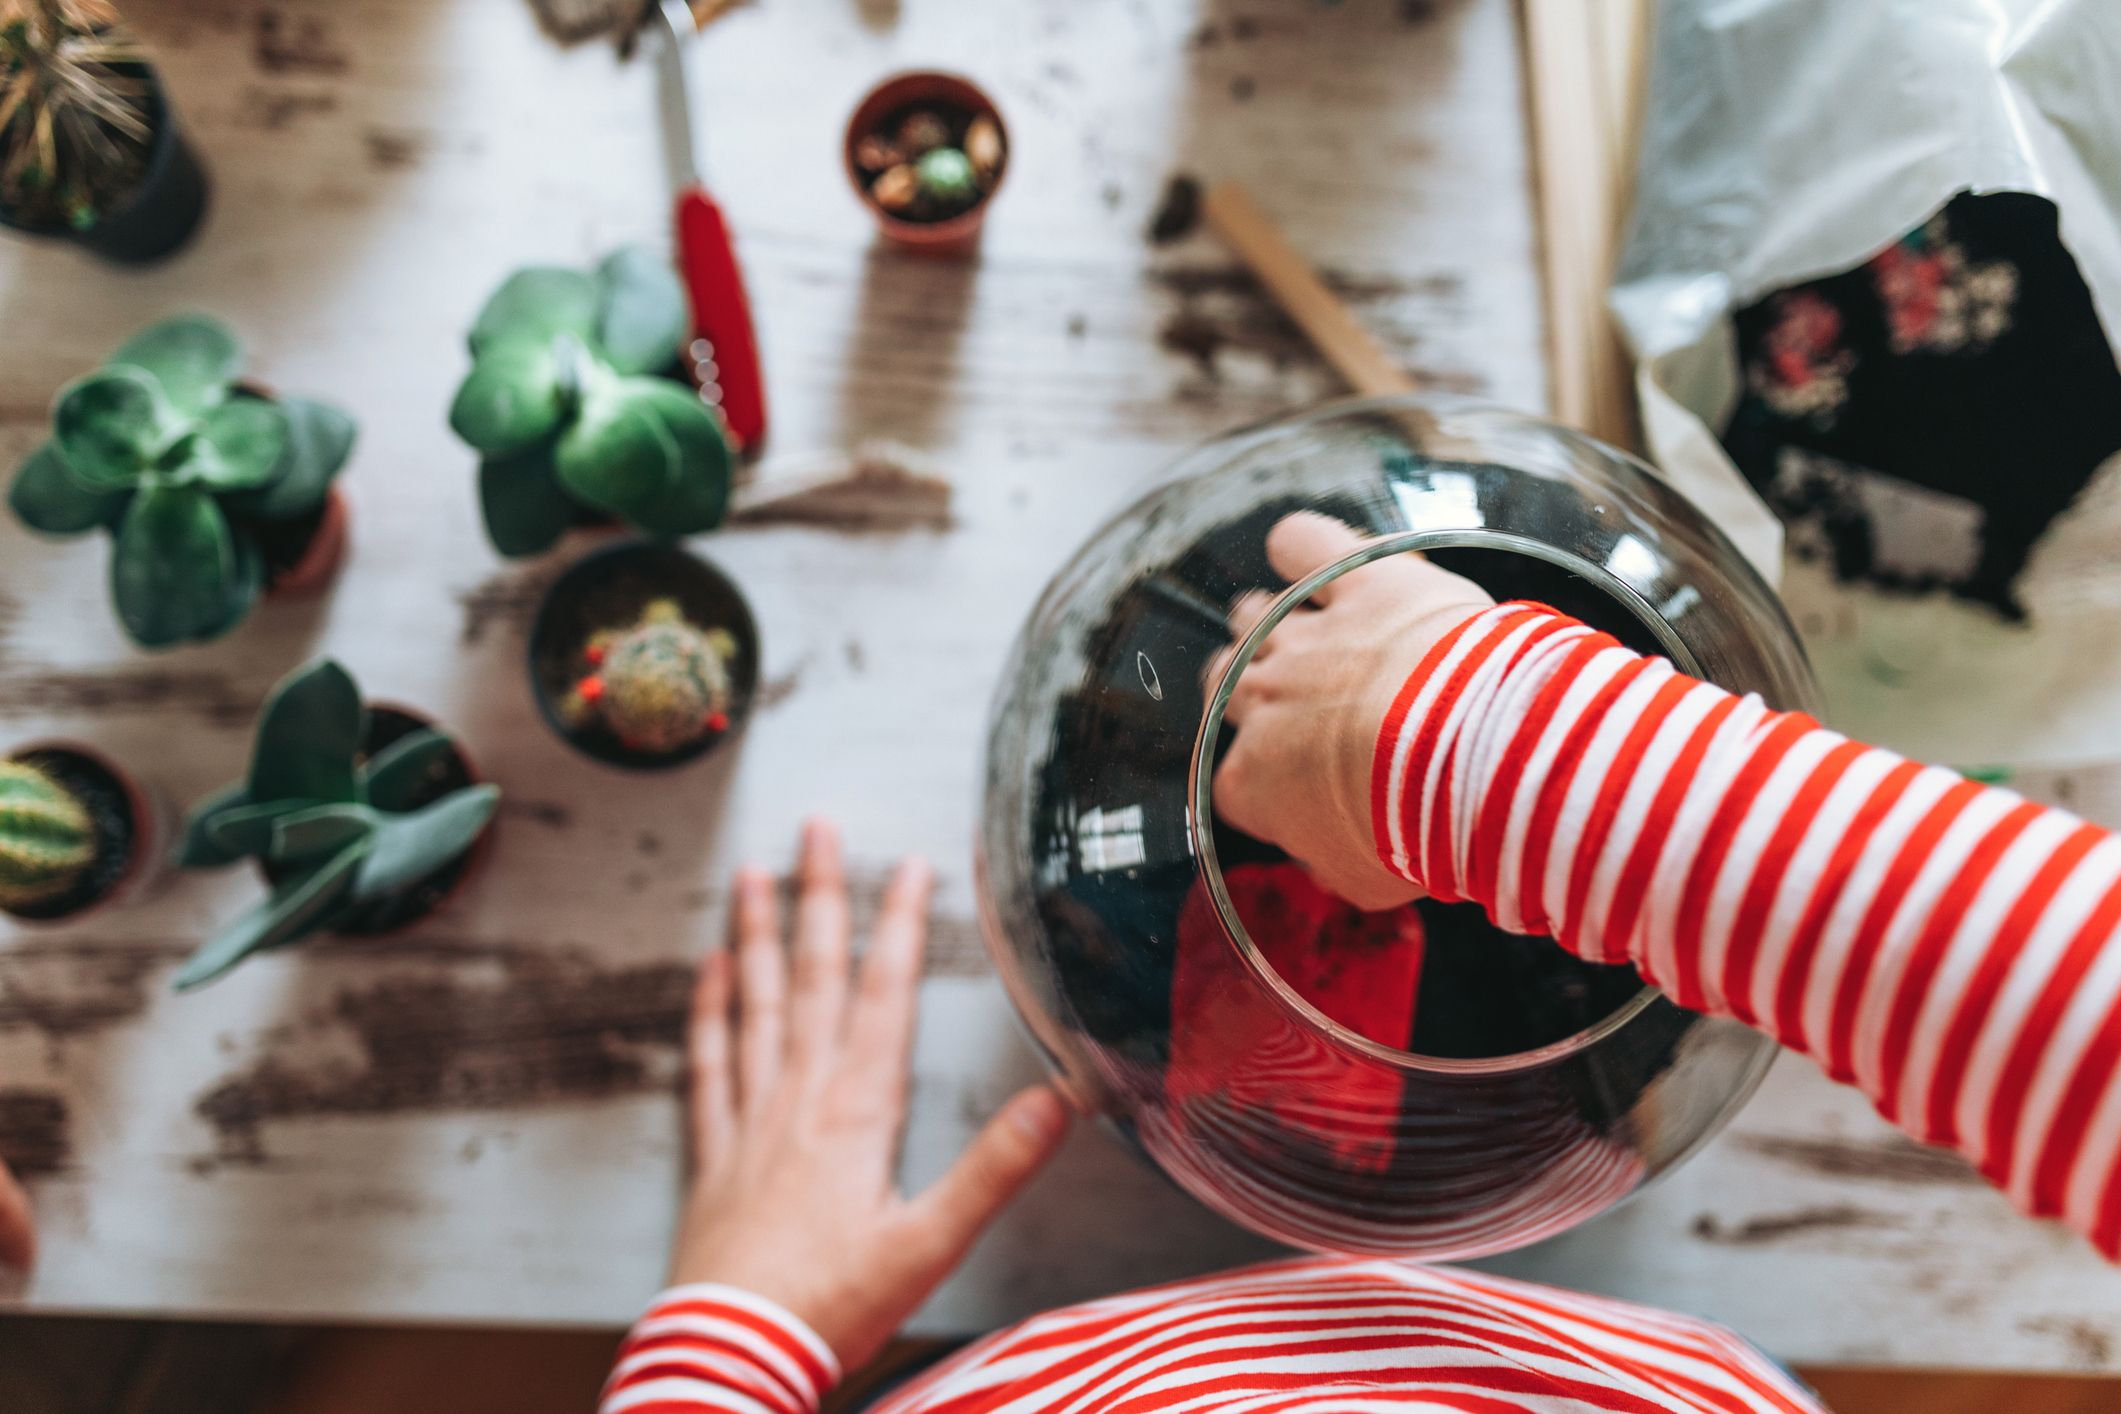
(719, 1347)
(1950, 947)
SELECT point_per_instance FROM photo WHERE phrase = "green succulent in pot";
(577, 405)
(338, 831)
(188, 468)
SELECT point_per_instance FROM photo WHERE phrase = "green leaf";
(199, 849)
(643, 316)
(305, 835)
(410, 847)
(297, 906)
(46, 497)
(308, 735)
(698, 497)
(244, 830)
(111, 426)
(241, 446)
(194, 359)
(174, 569)
(393, 777)
(511, 399)
(616, 456)
(319, 440)
(533, 305)
(526, 508)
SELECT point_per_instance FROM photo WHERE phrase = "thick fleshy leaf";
(320, 438)
(297, 906)
(174, 568)
(410, 847)
(244, 830)
(199, 849)
(511, 399)
(308, 734)
(698, 497)
(616, 455)
(194, 359)
(643, 316)
(392, 778)
(112, 426)
(533, 305)
(46, 497)
(306, 835)
(526, 508)
(241, 445)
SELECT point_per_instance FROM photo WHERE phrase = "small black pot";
(125, 821)
(160, 214)
(610, 587)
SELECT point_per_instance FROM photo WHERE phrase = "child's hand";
(18, 1235)
(1311, 702)
(798, 1091)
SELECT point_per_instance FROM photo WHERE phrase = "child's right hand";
(1310, 703)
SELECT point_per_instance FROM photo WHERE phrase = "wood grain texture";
(475, 1121)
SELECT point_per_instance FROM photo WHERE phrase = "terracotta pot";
(147, 861)
(320, 562)
(957, 233)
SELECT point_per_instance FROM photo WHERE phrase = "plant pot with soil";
(90, 150)
(212, 491)
(361, 819)
(926, 153)
(583, 411)
(76, 832)
(645, 657)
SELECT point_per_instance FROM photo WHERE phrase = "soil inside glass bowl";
(111, 821)
(1482, 992)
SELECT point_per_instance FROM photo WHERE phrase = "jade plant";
(47, 841)
(186, 467)
(336, 831)
(577, 404)
(659, 685)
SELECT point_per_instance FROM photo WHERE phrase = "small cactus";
(947, 178)
(47, 841)
(660, 684)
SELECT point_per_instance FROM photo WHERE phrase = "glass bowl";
(1153, 953)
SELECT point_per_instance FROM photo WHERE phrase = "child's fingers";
(761, 989)
(1013, 1147)
(818, 993)
(887, 995)
(18, 1231)
(1306, 542)
(713, 1095)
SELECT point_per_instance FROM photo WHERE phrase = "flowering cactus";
(660, 684)
(46, 839)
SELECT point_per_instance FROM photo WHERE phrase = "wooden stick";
(1295, 286)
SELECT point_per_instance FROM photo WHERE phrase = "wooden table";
(475, 1122)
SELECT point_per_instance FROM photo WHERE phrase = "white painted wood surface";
(474, 1122)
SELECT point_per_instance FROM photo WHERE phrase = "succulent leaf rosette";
(572, 406)
(166, 449)
(336, 832)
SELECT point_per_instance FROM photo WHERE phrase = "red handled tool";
(721, 312)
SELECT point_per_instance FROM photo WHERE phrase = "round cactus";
(47, 841)
(661, 684)
(946, 177)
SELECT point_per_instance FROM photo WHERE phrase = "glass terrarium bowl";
(1490, 1090)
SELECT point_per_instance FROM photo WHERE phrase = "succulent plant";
(946, 178)
(47, 841)
(570, 405)
(74, 128)
(336, 833)
(660, 684)
(164, 448)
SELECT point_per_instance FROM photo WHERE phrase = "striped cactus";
(46, 839)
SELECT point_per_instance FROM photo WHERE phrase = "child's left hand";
(798, 1093)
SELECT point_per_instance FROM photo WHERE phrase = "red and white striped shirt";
(1947, 946)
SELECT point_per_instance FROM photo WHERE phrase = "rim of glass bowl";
(1201, 780)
